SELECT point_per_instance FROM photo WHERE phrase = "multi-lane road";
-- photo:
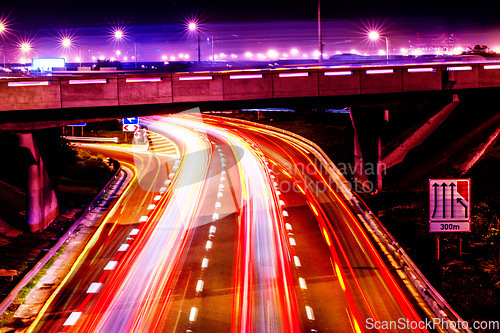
(226, 227)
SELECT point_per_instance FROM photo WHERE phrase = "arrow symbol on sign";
(452, 185)
(435, 185)
(444, 199)
(459, 200)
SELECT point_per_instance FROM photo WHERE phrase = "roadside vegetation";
(77, 176)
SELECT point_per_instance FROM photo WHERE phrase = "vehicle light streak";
(264, 298)
(382, 274)
(166, 233)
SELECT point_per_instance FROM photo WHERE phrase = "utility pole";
(320, 35)
(135, 54)
(213, 53)
(199, 50)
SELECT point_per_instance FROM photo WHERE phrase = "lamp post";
(320, 35)
(67, 43)
(373, 35)
(213, 53)
(193, 26)
(3, 29)
(135, 54)
(119, 35)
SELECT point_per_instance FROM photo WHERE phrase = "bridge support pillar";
(42, 206)
(368, 124)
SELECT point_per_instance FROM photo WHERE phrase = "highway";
(226, 227)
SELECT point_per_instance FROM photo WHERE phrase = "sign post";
(449, 207)
(76, 125)
(130, 125)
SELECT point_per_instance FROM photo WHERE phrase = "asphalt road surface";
(226, 227)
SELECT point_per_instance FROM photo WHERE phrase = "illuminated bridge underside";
(94, 90)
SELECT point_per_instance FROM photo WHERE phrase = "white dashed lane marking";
(123, 247)
(111, 265)
(94, 287)
(73, 317)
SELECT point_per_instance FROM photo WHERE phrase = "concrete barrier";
(422, 78)
(462, 76)
(339, 82)
(144, 89)
(197, 87)
(89, 91)
(381, 80)
(30, 94)
(489, 75)
(247, 85)
(296, 83)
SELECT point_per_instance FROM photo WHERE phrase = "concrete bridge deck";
(102, 90)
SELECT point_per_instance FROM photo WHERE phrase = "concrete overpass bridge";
(100, 90)
(31, 103)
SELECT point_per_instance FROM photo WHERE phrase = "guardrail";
(373, 225)
(39, 265)
(91, 139)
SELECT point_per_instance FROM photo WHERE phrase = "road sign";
(449, 205)
(82, 124)
(138, 134)
(130, 128)
(131, 121)
(449, 226)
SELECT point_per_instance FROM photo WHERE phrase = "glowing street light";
(25, 47)
(3, 30)
(66, 42)
(272, 54)
(374, 35)
(118, 34)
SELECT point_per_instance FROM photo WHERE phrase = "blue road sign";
(131, 121)
(82, 124)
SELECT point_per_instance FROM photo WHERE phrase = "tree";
(108, 63)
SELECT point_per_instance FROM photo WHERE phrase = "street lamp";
(67, 44)
(118, 34)
(320, 35)
(3, 29)
(374, 35)
(25, 47)
(193, 27)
